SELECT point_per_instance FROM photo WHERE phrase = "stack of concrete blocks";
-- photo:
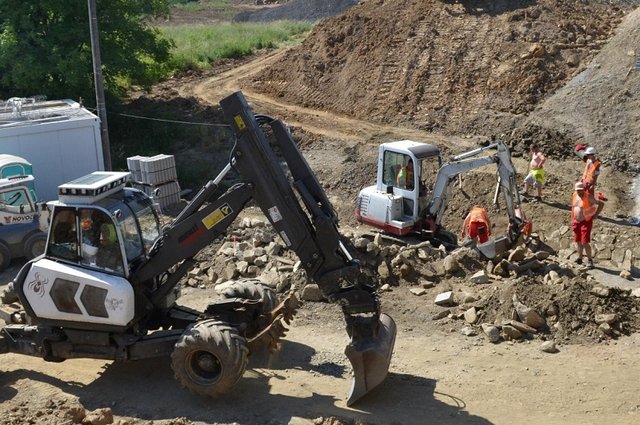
(157, 177)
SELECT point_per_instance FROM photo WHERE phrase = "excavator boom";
(314, 236)
(305, 220)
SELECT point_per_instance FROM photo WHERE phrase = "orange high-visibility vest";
(582, 209)
(591, 170)
(477, 215)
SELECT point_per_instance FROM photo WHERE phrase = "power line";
(173, 121)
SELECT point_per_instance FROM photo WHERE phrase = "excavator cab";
(99, 223)
(406, 173)
(99, 232)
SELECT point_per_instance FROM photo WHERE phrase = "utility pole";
(97, 75)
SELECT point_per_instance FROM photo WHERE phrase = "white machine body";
(60, 291)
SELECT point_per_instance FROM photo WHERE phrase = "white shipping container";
(61, 139)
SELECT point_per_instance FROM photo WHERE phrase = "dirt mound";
(600, 106)
(297, 10)
(574, 311)
(456, 67)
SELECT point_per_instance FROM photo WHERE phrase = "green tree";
(45, 47)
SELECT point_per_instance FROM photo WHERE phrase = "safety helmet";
(590, 151)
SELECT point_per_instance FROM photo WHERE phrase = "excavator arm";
(466, 162)
(305, 220)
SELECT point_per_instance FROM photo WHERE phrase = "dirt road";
(322, 123)
(436, 377)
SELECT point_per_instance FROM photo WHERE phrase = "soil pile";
(453, 67)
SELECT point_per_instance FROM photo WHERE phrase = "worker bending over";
(476, 225)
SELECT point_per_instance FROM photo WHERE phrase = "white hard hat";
(590, 151)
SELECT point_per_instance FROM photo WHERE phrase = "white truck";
(23, 220)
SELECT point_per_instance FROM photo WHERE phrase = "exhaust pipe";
(370, 359)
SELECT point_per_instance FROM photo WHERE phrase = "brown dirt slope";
(443, 65)
(601, 104)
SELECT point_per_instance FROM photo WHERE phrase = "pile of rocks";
(531, 291)
(611, 248)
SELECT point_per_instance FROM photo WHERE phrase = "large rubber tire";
(209, 358)
(35, 245)
(252, 289)
(5, 256)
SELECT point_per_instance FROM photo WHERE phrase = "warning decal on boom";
(214, 218)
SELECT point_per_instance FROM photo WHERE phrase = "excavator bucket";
(370, 359)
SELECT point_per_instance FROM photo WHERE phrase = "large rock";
(479, 277)
(527, 315)
(492, 332)
(509, 333)
(517, 254)
(102, 416)
(471, 315)
(311, 292)
(444, 298)
(383, 270)
(610, 318)
(549, 347)
(451, 264)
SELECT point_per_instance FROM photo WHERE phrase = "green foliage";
(196, 46)
(45, 46)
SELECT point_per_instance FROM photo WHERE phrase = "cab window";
(392, 163)
(129, 229)
(398, 170)
(100, 247)
(15, 201)
(63, 240)
(85, 236)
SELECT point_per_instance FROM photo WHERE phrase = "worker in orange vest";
(584, 208)
(591, 169)
(476, 224)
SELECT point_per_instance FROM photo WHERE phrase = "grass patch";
(197, 46)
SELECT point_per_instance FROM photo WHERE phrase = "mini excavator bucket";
(370, 358)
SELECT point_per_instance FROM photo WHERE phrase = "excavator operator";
(404, 179)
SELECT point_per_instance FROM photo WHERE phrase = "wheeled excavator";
(108, 283)
(416, 203)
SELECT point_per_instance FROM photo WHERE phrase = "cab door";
(401, 175)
